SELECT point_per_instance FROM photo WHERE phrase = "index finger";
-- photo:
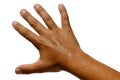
(45, 16)
(26, 33)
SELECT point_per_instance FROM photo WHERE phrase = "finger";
(29, 35)
(65, 21)
(32, 21)
(54, 69)
(64, 16)
(46, 17)
(36, 67)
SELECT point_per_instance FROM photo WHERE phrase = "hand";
(55, 45)
(59, 49)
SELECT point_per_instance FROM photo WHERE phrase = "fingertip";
(14, 23)
(36, 6)
(18, 71)
(60, 6)
(23, 11)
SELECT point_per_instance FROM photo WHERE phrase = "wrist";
(83, 66)
(71, 59)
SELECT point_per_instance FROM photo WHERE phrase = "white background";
(96, 24)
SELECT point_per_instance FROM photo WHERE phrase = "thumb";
(30, 68)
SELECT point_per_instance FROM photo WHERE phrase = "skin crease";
(59, 49)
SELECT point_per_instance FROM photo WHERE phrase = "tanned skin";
(59, 49)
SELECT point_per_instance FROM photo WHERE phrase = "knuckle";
(64, 16)
(30, 19)
(26, 33)
(33, 22)
(46, 17)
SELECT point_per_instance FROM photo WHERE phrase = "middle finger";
(33, 21)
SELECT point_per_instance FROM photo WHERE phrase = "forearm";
(87, 68)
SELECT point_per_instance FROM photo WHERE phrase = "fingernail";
(23, 11)
(37, 6)
(14, 23)
(18, 71)
(60, 5)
